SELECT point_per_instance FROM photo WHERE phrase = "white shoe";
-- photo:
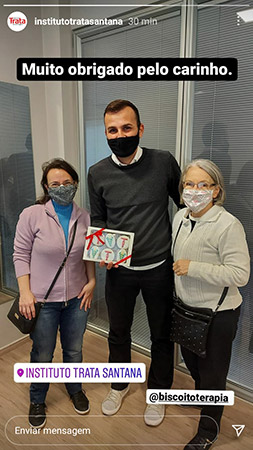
(112, 402)
(154, 414)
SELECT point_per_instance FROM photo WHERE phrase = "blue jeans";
(72, 322)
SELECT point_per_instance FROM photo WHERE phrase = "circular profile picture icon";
(17, 21)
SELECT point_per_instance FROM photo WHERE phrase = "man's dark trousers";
(156, 285)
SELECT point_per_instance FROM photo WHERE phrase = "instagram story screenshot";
(126, 224)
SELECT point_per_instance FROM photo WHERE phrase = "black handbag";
(26, 326)
(190, 325)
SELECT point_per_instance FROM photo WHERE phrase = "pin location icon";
(238, 429)
(20, 372)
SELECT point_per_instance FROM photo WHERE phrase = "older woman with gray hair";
(210, 253)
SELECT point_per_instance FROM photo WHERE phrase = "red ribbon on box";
(98, 233)
(122, 260)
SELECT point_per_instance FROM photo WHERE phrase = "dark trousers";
(156, 285)
(210, 373)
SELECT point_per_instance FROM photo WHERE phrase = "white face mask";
(197, 199)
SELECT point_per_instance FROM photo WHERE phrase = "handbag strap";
(177, 233)
(63, 263)
(223, 295)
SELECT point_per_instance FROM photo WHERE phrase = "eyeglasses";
(56, 184)
(200, 185)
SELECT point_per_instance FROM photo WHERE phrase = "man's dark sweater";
(135, 198)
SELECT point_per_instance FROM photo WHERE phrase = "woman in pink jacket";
(43, 235)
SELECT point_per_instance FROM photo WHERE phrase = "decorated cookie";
(121, 254)
(123, 242)
(97, 241)
(94, 252)
(107, 255)
(110, 240)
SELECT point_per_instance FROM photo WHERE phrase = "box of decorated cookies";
(103, 244)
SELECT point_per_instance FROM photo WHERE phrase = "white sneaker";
(112, 402)
(154, 414)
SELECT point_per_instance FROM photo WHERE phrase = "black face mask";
(124, 146)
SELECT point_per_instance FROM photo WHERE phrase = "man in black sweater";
(129, 191)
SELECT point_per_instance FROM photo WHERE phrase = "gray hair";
(213, 171)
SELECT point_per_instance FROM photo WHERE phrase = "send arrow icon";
(239, 429)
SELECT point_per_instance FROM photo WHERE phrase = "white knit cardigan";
(219, 256)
